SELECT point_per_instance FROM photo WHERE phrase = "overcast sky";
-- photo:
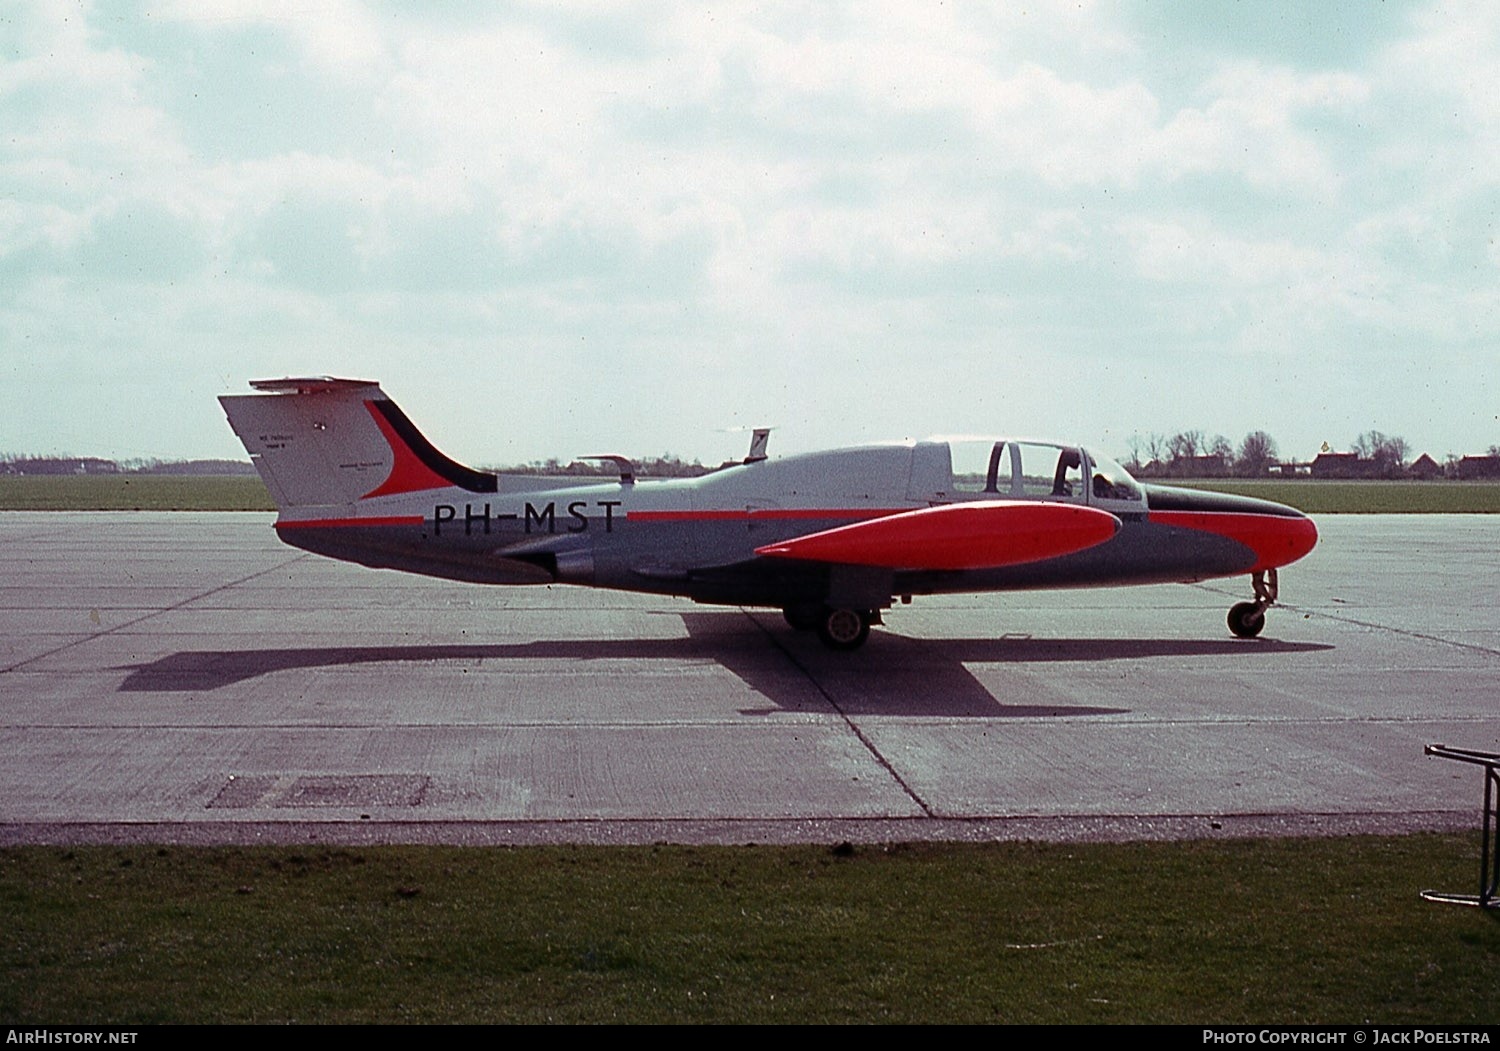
(588, 227)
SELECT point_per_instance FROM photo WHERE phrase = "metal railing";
(1489, 845)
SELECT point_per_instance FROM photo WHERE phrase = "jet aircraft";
(830, 538)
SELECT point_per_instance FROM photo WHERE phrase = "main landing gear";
(1246, 619)
(840, 629)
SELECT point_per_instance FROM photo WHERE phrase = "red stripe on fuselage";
(344, 523)
(767, 513)
(1276, 539)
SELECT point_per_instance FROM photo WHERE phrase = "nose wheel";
(1247, 619)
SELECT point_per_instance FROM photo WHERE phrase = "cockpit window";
(1038, 471)
(980, 466)
(1111, 481)
(1050, 471)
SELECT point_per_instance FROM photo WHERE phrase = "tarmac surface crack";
(854, 728)
(154, 613)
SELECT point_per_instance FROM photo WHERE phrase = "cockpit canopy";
(1024, 470)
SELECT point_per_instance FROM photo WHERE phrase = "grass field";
(1284, 931)
(133, 492)
(247, 493)
(1335, 497)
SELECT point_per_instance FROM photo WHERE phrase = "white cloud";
(1258, 126)
(340, 36)
(748, 192)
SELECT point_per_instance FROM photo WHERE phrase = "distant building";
(1343, 465)
(1290, 469)
(1477, 467)
(1211, 466)
(1424, 467)
(1352, 465)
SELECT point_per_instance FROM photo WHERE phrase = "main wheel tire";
(1246, 619)
(844, 629)
(803, 618)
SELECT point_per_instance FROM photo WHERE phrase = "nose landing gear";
(1246, 619)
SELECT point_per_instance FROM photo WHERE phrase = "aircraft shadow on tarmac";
(894, 675)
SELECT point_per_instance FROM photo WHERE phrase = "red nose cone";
(1282, 541)
(1276, 539)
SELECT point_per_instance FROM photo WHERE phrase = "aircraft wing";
(984, 534)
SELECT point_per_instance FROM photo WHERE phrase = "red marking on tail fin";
(408, 473)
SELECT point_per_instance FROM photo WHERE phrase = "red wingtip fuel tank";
(986, 534)
(1274, 534)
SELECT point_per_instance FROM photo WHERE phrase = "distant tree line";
(1389, 451)
(38, 465)
(1186, 454)
(663, 466)
(1191, 454)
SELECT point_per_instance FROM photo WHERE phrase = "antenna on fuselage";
(627, 468)
(758, 441)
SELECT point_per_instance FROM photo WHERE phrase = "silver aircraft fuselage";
(845, 530)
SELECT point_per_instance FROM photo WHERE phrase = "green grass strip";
(133, 492)
(1285, 931)
(1386, 498)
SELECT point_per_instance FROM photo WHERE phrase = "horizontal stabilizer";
(986, 534)
(310, 385)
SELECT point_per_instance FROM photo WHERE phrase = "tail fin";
(324, 441)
